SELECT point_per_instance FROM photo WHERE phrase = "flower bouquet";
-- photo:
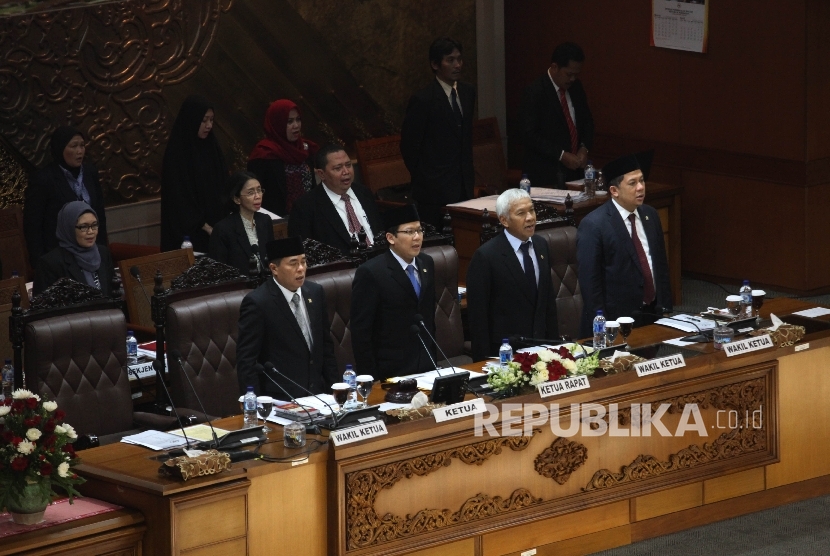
(533, 369)
(36, 454)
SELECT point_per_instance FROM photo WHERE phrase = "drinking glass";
(733, 304)
(264, 404)
(626, 326)
(612, 327)
(364, 386)
(758, 301)
(340, 391)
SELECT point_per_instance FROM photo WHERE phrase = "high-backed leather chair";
(338, 288)
(7, 289)
(13, 250)
(563, 272)
(449, 330)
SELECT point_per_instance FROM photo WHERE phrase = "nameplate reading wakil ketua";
(458, 410)
(563, 386)
(360, 432)
(750, 344)
(663, 364)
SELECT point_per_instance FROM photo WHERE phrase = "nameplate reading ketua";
(458, 410)
(557, 387)
(750, 344)
(660, 365)
(360, 432)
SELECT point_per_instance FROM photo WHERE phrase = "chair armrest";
(144, 420)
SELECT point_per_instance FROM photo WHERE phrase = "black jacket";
(315, 217)
(46, 194)
(229, 242)
(59, 263)
(271, 175)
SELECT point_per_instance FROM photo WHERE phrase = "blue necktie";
(410, 271)
(530, 271)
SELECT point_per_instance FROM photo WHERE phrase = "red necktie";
(571, 126)
(351, 216)
(648, 287)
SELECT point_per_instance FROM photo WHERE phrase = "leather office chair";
(338, 288)
(449, 330)
(563, 272)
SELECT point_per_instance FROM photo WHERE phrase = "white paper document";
(155, 440)
(426, 380)
(318, 404)
(687, 323)
(814, 312)
(558, 196)
(678, 342)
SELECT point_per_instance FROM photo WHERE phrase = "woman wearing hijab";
(67, 178)
(281, 160)
(77, 255)
(237, 236)
(192, 178)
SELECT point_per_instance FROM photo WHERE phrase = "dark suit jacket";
(383, 310)
(268, 331)
(610, 275)
(314, 216)
(45, 196)
(229, 243)
(437, 153)
(499, 303)
(271, 175)
(59, 263)
(545, 131)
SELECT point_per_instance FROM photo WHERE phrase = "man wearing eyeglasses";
(508, 281)
(387, 292)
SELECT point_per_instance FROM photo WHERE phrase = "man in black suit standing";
(338, 208)
(623, 273)
(387, 293)
(557, 126)
(284, 321)
(508, 281)
(437, 135)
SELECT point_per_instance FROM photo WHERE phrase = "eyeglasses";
(86, 228)
(253, 193)
(412, 233)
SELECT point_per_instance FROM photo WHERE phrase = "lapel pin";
(425, 271)
(541, 256)
(646, 217)
(309, 300)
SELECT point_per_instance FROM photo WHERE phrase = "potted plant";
(36, 455)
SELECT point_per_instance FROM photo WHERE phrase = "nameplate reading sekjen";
(458, 410)
(661, 365)
(750, 344)
(360, 432)
(563, 386)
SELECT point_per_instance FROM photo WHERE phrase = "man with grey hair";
(508, 282)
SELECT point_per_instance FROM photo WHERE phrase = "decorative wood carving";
(65, 292)
(205, 272)
(546, 214)
(364, 527)
(560, 459)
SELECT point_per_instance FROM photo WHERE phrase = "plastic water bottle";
(186, 243)
(505, 352)
(599, 330)
(350, 378)
(15, 274)
(132, 348)
(746, 299)
(249, 408)
(590, 179)
(524, 185)
(8, 380)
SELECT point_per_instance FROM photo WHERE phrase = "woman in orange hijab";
(282, 159)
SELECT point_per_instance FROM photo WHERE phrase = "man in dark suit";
(557, 126)
(437, 135)
(624, 274)
(387, 293)
(338, 208)
(508, 281)
(284, 321)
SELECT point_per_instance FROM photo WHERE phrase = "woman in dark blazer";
(67, 178)
(77, 256)
(282, 159)
(234, 237)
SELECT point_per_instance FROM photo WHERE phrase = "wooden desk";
(437, 489)
(466, 225)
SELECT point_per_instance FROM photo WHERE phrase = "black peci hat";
(393, 218)
(628, 163)
(287, 247)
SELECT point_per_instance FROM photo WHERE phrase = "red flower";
(526, 360)
(49, 440)
(46, 469)
(7, 401)
(59, 415)
(565, 353)
(16, 440)
(69, 449)
(7, 436)
(19, 464)
(556, 370)
(49, 426)
(31, 403)
(18, 405)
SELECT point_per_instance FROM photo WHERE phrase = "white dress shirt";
(641, 232)
(516, 244)
(405, 264)
(448, 91)
(340, 207)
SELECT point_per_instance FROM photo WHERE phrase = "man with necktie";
(623, 268)
(284, 321)
(557, 125)
(437, 135)
(508, 281)
(387, 292)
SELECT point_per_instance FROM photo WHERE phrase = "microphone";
(270, 366)
(157, 366)
(159, 372)
(415, 329)
(178, 356)
(420, 320)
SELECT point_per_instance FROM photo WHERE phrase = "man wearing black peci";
(387, 292)
(626, 274)
(437, 135)
(284, 321)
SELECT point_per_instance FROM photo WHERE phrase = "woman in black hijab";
(192, 179)
(67, 178)
(77, 256)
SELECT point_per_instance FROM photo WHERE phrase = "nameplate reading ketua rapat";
(750, 344)
(360, 432)
(557, 387)
(660, 365)
(458, 410)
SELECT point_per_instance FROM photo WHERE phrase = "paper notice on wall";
(680, 24)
